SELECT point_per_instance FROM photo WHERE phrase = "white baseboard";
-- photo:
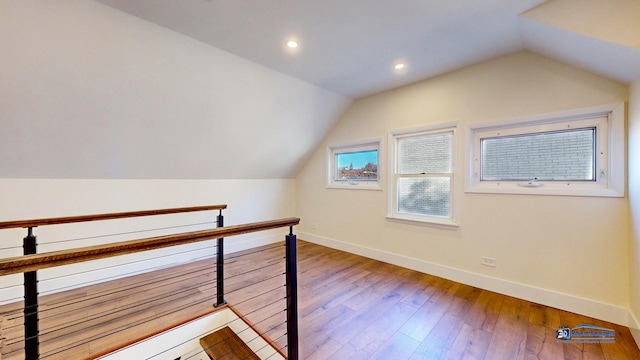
(634, 326)
(591, 308)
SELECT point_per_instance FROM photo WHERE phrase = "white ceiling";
(349, 46)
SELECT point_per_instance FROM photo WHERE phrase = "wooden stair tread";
(225, 344)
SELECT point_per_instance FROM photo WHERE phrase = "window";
(422, 176)
(564, 155)
(354, 166)
(572, 153)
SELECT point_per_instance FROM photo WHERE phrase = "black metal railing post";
(31, 342)
(291, 268)
(220, 266)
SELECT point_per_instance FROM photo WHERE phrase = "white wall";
(94, 102)
(634, 201)
(180, 342)
(87, 91)
(247, 200)
(567, 252)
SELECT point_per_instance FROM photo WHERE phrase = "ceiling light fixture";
(399, 66)
(292, 44)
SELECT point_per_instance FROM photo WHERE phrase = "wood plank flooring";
(357, 308)
(351, 307)
(226, 344)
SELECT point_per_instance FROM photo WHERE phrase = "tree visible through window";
(354, 166)
(423, 176)
(357, 166)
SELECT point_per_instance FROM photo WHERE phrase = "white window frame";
(392, 208)
(610, 152)
(333, 150)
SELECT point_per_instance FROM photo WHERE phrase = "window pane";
(426, 154)
(565, 155)
(357, 166)
(424, 196)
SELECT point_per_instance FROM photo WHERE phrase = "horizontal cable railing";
(20, 264)
(258, 287)
(109, 216)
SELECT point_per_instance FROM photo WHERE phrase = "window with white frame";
(580, 153)
(565, 154)
(354, 166)
(422, 176)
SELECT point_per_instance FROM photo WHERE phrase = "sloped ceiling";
(90, 92)
(600, 36)
(205, 89)
(349, 47)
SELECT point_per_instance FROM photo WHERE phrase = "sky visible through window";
(357, 159)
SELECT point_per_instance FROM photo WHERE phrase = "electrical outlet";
(488, 261)
(314, 226)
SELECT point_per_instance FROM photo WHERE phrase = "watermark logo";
(585, 333)
(563, 333)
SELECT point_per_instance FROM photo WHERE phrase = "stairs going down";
(225, 344)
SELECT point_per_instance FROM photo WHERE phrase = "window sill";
(612, 149)
(446, 224)
(358, 186)
(569, 189)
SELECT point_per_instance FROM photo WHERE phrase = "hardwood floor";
(356, 308)
(352, 307)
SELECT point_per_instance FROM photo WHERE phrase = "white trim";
(634, 326)
(598, 310)
(392, 213)
(551, 117)
(332, 149)
(599, 123)
(615, 173)
(618, 145)
(443, 223)
(180, 342)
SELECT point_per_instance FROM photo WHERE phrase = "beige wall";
(569, 252)
(613, 20)
(634, 201)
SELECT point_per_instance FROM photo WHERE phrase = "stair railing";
(31, 262)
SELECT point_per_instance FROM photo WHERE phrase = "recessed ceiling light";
(399, 66)
(292, 44)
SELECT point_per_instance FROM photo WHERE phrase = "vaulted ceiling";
(206, 89)
(350, 47)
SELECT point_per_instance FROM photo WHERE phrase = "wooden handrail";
(110, 216)
(130, 342)
(20, 264)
